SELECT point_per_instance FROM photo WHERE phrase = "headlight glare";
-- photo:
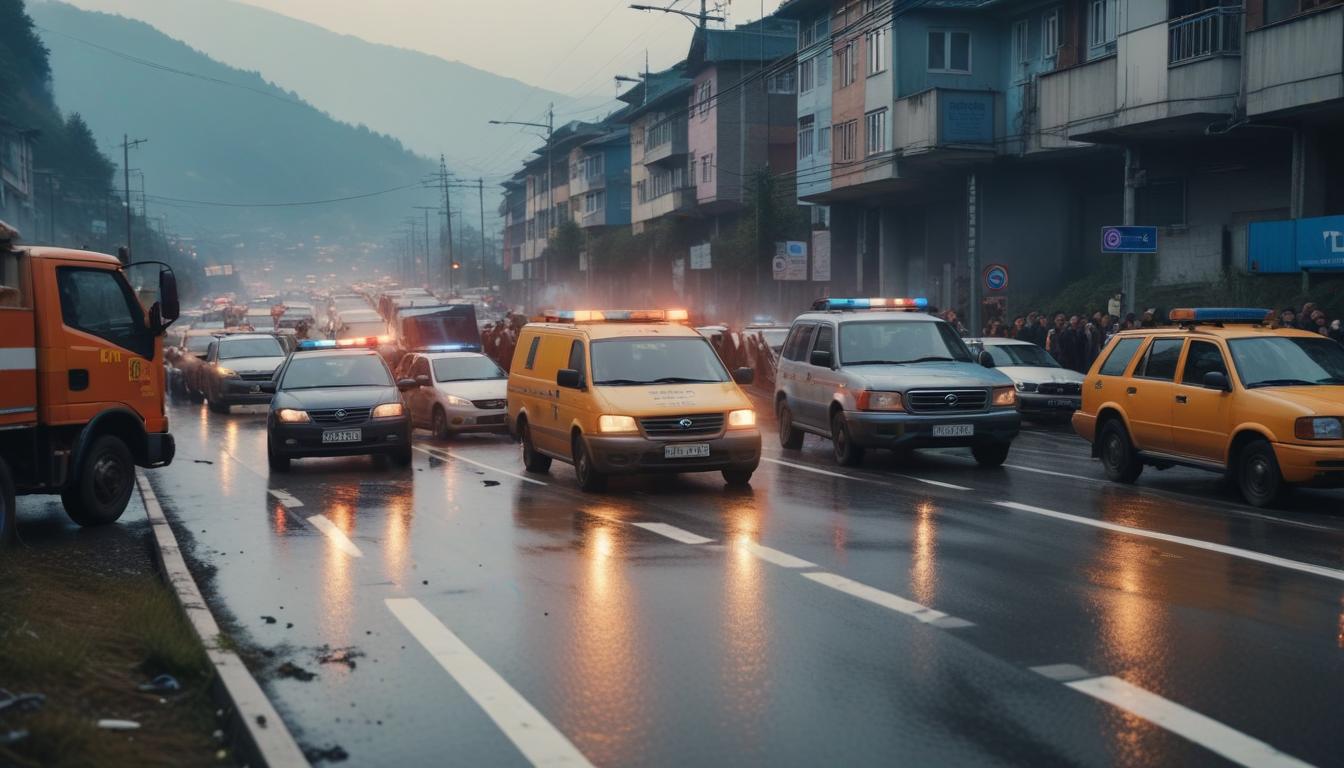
(291, 416)
(226, 372)
(608, 423)
(743, 418)
(1005, 397)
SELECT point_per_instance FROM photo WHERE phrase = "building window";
(707, 169)
(822, 65)
(821, 217)
(847, 141)
(847, 63)
(807, 35)
(1050, 40)
(1101, 24)
(950, 52)
(594, 201)
(824, 139)
(642, 191)
(781, 83)
(806, 73)
(876, 126)
(703, 95)
(1021, 42)
(877, 51)
(1161, 203)
(806, 133)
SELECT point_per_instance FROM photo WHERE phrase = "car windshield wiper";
(928, 359)
(872, 362)
(618, 383)
(683, 380)
(334, 386)
(1330, 380)
(1282, 383)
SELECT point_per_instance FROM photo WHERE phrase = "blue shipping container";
(1293, 245)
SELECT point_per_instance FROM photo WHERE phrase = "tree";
(24, 65)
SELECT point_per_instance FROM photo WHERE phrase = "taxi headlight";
(458, 402)
(743, 418)
(1319, 428)
(388, 411)
(291, 416)
(881, 401)
(608, 423)
(1024, 386)
(1005, 397)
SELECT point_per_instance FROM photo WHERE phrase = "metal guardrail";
(1214, 32)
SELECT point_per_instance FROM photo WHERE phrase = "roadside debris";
(489, 483)
(111, 724)
(291, 670)
(268, 619)
(202, 461)
(344, 656)
(23, 702)
(331, 754)
(161, 684)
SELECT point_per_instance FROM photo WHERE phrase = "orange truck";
(81, 377)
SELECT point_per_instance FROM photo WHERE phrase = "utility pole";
(702, 18)
(126, 145)
(480, 191)
(448, 216)
(427, 209)
(1129, 264)
(549, 125)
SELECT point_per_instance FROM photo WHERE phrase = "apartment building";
(16, 178)
(599, 177)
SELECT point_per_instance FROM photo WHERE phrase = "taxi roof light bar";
(833, 304)
(1221, 315)
(616, 315)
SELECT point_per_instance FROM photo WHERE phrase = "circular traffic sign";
(1111, 238)
(779, 264)
(996, 277)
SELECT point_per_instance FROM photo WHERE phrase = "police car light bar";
(831, 304)
(356, 341)
(1218, 315)
(451, 348)
(616, 315)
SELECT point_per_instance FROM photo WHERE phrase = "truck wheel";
(98, 494)
(7, 516)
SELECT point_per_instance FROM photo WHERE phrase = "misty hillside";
(434, 106)
(247, 142)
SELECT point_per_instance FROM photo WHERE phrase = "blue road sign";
(1129, 239)
(996, 277)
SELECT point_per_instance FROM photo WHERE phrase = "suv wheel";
(1258, 474)
(532, 461)
(1118, 456)
(790, 437)
(847, 454)
(590, 479)
(990, 454)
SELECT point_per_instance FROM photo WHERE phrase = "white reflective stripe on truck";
(18, 358)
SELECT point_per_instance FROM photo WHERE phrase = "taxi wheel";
(533, 461)
(277, 463)
(1258, 475)
(1118, 456)
(7, 516)
(590, 479)
(98, 494)
(847, 454)
(790, 437)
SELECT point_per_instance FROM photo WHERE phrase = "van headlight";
(743, 418)
(388, 411)
(1319, 428)
(1005, 397)
(609, 423)
(291, 416)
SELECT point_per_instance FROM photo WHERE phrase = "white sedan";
(1045, 389)
(459, 392)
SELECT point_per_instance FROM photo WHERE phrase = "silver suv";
(882, 373)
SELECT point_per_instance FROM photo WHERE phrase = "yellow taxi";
(1220, 390)
(628, 391)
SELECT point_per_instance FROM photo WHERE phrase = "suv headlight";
(1026, 386)
(608, 423)
(388, 411)
(880, 401)
(291, 416)
(1005, 397)
(743, 418)
(1319, 428)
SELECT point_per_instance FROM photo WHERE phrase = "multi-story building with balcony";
(16, 178)
(661, 183)
(599, 178)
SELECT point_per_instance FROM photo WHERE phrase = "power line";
(295, 204)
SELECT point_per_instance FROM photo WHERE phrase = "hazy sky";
(570, 46)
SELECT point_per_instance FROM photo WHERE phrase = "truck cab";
(81, 376)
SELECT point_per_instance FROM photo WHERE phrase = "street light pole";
(126, 145)
(549, 125)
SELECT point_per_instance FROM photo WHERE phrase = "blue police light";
(317, 344)
(822, 305)
(1221, 315)
(453, 348)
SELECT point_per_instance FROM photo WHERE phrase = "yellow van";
(626, 392)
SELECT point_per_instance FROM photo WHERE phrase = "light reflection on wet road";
(641, 649)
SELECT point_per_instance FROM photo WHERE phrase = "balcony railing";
(1214, 32)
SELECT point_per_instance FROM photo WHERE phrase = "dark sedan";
(337, 402)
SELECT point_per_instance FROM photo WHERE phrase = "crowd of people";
(1075, 340)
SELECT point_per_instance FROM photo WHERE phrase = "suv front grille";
(490, 405)
(946, 400)
(256, 376)
(329, 416)
(1064, 388)
(683, 426)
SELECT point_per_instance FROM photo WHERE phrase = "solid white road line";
(539, 741)
(813, 470)
(774, 556)
(673, 532)
(1316, 570)
(938, 483)
(286, 499)
(336, 535)
(1204, 731)
(441, 454)
(885, 599)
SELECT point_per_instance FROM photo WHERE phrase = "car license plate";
(954, 430)
(342, 436)
(686, 451)
(1059, 403)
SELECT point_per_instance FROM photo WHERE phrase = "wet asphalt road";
(895, 614)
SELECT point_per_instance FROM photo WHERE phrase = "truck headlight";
(1319, 428)
(880, 401)
(388, 411)
(743, 418)
(608, 423)
(1005, 397)
(291, 416)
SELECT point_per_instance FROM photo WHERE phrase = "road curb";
(260, 737)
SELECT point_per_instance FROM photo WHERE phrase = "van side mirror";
(568, 378)
(820, 358)
(1217, 380)
(986, 359)
(745, 376)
